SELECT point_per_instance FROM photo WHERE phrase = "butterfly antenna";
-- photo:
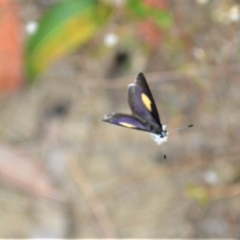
(181, 128)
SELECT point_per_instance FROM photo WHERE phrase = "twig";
(90, 196)
(161, 76)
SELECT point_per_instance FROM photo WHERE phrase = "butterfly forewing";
(126, 120)
(141, 100)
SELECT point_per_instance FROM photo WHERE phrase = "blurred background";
(65, 64)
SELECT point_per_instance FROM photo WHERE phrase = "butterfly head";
(164, 132)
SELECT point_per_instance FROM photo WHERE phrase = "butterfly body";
(162, 137)
(144, 115)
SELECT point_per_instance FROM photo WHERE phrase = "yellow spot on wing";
(146, 101)
(127, 125)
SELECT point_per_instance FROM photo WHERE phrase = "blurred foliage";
(64, 27)
(71, 24)
(11, 47)
(143, 10)
(198, 193)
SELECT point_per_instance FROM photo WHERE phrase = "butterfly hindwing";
(126, 120)
(141, 100)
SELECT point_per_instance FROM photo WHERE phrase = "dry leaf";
(24, 172)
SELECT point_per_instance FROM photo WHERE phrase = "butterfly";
(144, 115)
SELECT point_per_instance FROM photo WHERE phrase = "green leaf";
(161, 16)
(69, 24)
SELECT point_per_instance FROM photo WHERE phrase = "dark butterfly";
(145, 115)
